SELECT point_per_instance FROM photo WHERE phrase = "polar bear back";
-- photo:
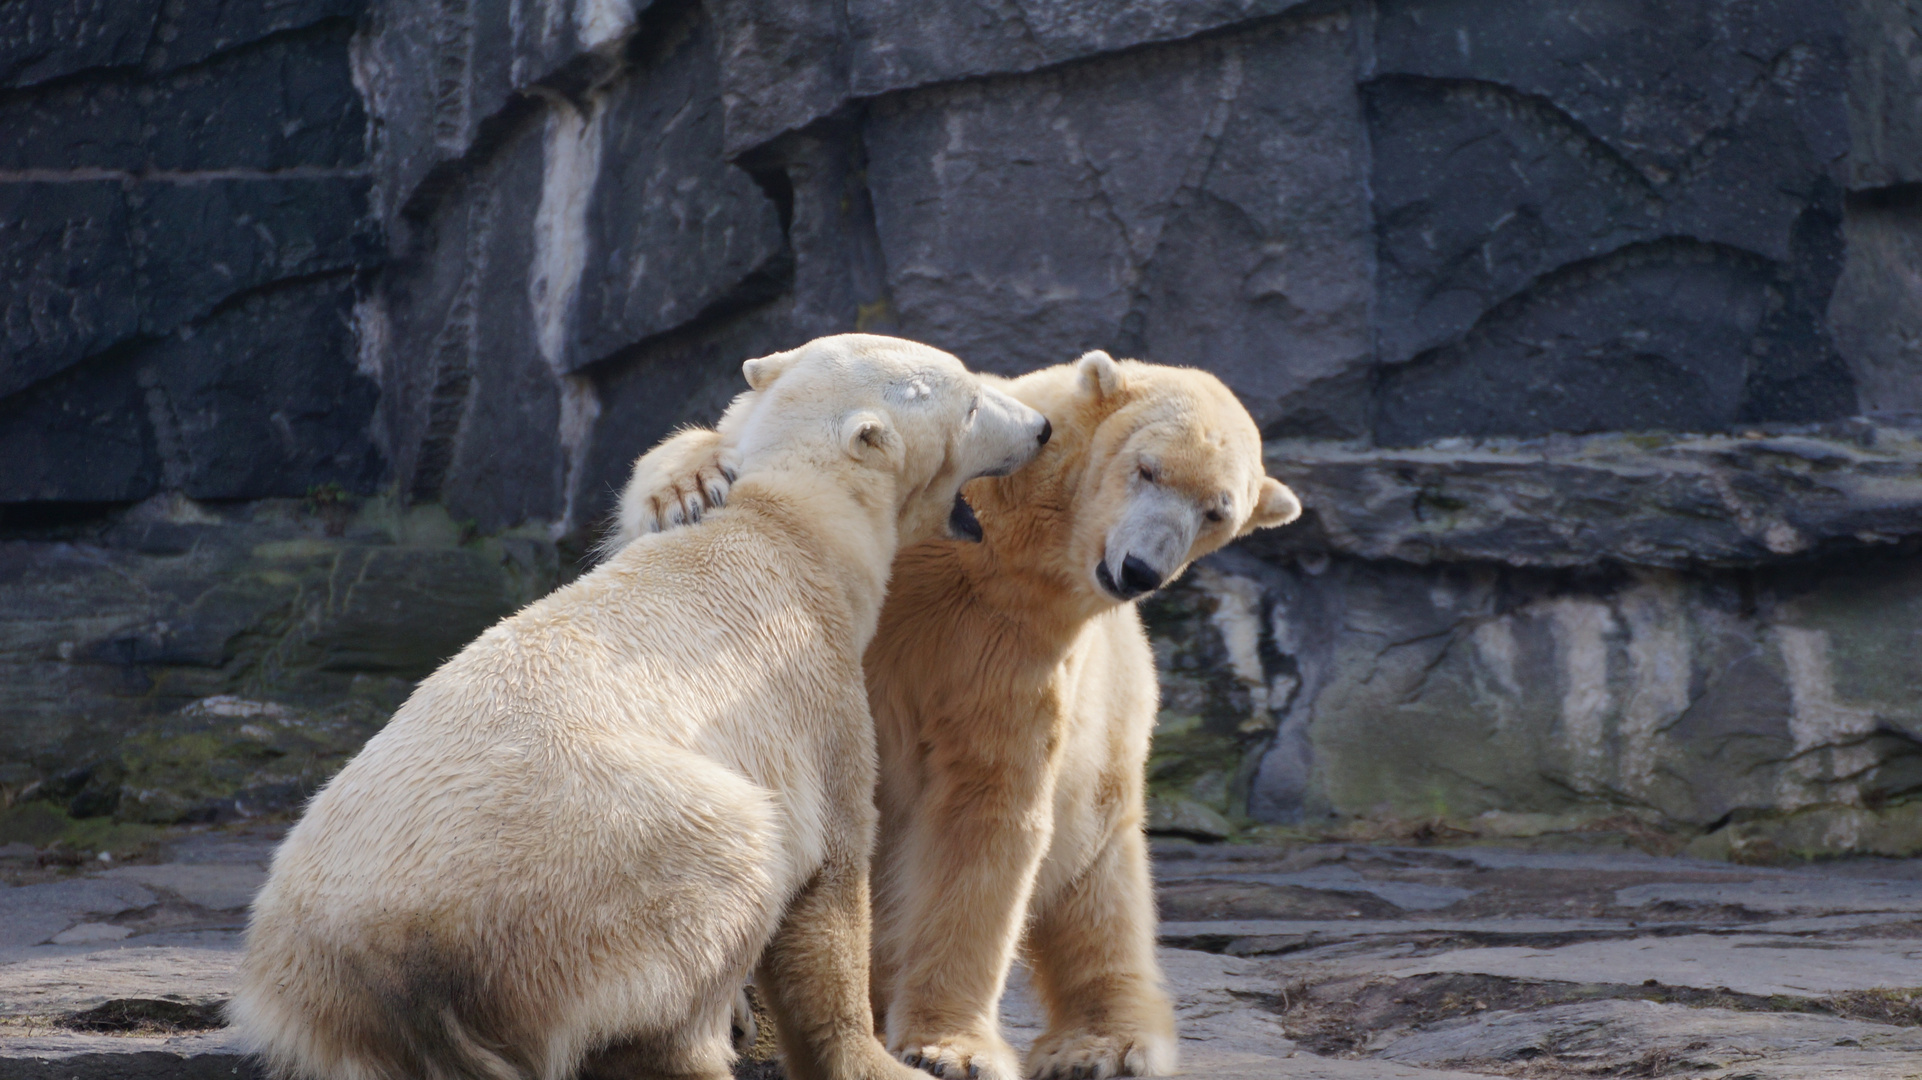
(680, 677)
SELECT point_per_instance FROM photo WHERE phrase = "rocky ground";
(1331, 960)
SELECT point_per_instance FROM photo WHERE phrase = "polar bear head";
(888, 409)
(1173, 471)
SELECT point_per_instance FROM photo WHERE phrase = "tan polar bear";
(1014, 694)
(567, 849)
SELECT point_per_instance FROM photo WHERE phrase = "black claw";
(974, 1072)
(1080, 1073)
(913, 1060)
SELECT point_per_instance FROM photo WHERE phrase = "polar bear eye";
(1146, 472)
(1213, 515)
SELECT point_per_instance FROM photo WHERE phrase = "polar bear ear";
(762, 372)
(863, 433)
(1276, 506)
(1100, 375)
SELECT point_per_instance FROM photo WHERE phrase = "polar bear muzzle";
(1149, 543)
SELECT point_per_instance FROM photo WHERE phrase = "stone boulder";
(319, 604)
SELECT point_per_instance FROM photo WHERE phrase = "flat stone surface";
(1783, 895)
(51, 981)
(1699, 1037)
(1407, 895)
(32, 914)
(1746, 964)
(217, 886)
(1643, 500)
(1543, 957)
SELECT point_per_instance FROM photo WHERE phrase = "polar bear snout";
(1009, 431)
(1137, 578)
(1149, 544)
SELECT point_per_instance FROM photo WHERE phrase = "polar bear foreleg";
(975, 840)
(815, 973)
(1092, 946)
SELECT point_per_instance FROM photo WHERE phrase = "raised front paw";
(675, 484)
(1094, 1055)
(961, 1057)
(684, 499)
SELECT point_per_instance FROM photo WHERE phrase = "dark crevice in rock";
(867, 258)
(447, 403)
(1897, 197)
(320, 30)
(57, 522)
(766, 283)
(492, 133)
(154, 38)
(146, 1016)
(452, 33)
(1796, 373)
(280, 285)
(779, 188)
(1421, 942)
(660, 29)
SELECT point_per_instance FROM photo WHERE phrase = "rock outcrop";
(1595, 328)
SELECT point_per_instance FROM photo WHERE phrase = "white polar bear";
(571, 844)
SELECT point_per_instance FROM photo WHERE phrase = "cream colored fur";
(1014, 694)
(571, 844)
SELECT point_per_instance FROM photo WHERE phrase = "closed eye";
(1147, 473)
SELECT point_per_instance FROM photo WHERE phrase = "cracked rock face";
(1551, 312)
(1692, 699)
(1643, 189)
(1201, 201)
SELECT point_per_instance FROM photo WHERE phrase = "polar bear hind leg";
(699, 1050)
(714, 907)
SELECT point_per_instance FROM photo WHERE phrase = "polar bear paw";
(1096, 1055)
(685, 498)
(962, 1058)
(675, 484)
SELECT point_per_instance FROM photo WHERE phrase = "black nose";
(1047, 431)
(1138, 577)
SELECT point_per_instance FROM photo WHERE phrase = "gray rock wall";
(378, 260)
